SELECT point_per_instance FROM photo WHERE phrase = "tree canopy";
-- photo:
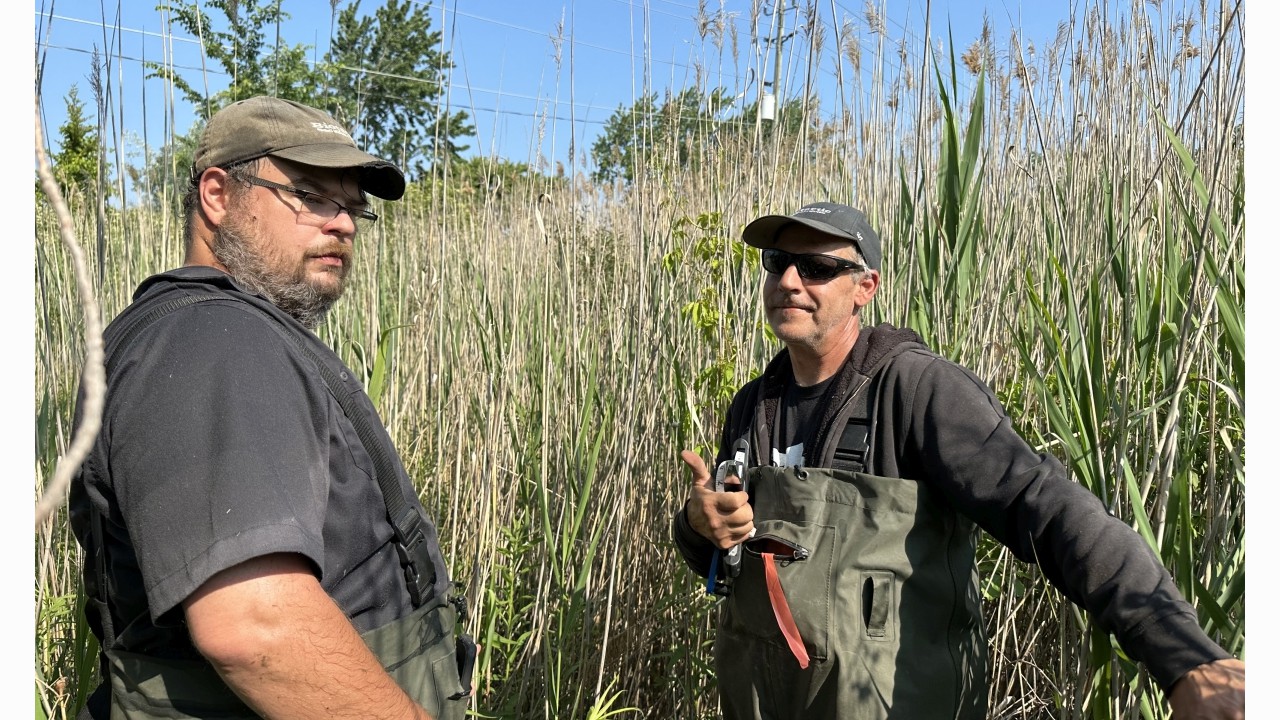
(655, 138)
(383, 76)
(253, 61)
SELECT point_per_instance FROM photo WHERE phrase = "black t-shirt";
(799, 415)
(220, 443)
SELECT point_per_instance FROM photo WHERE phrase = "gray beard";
(290, 292)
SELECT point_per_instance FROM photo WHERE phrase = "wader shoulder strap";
(411, 537)
(95, 588)
(853, 450)
(406, 521)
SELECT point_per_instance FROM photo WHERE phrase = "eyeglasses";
(810, 266)
(314, 205)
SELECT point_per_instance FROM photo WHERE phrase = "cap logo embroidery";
(329, 128)
(820, 211)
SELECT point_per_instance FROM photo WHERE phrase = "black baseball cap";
(264, 125)
(834, 219)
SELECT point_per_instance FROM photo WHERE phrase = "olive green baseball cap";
(263, 125)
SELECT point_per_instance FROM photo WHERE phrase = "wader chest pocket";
(783, 550)
(802, 555)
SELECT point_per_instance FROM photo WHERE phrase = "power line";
(368, 71)
(578, 43)
(481, 18)
(451, 85)
(631, 4)
(732, 17)
(145, 33)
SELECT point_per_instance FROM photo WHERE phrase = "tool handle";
(711, 576)
(736, 466)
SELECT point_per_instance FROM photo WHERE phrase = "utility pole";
(778, 9)
(773, 98)
(770, 100)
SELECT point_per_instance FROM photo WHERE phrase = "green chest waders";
(418, 651)
(880, 580)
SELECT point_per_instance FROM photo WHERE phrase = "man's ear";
(865, 288)
(215, 195)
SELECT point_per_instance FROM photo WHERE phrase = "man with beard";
(253, 545)
(850, 585)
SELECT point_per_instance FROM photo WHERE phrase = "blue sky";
(523, 104)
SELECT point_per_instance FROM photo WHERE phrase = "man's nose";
(342, 225)
(790, 279)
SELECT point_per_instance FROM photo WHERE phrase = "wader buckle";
(418, 585)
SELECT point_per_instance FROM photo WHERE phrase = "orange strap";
(782, 611)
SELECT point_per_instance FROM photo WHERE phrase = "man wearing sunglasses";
(253, 544)
(847, 566)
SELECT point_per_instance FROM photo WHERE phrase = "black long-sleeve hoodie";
(936, 422)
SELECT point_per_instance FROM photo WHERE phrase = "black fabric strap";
(96, 589)
(150, 316)
(406, 521)
(853, 449)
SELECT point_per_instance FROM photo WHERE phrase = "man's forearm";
(279, 641)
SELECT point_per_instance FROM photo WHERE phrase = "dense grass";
(1067, 223)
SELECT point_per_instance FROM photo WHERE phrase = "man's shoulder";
(196, 319)
(917, 360)
(192, 278)
(884, 345)
(913, 356)
(163, 293)
(918, 371)
(171, 299)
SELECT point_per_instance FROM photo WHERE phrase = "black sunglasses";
(810, 266)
